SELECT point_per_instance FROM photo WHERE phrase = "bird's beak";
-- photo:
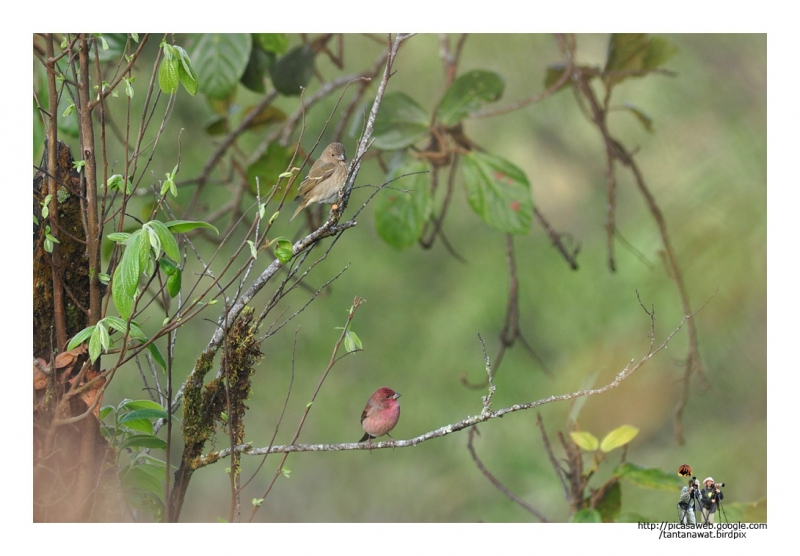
(396, 395)
(342, 157)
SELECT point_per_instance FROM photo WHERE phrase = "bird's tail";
(300, 208)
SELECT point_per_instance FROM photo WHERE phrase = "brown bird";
(324, 179)
(381, 414)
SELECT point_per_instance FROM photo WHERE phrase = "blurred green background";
(706, 165)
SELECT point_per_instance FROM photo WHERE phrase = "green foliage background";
(705, 163)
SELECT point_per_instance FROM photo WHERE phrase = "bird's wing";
(309, 183)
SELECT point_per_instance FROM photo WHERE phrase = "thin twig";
(551, 456)
(332, 361)
(496, 482)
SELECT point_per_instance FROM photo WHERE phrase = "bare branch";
(465, 423)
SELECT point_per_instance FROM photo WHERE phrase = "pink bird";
(381, 414)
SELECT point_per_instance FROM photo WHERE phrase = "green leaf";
(220, 60)
(643, 118)
(400, 215)
(648, 477)
(618, 437)
(585, 440)
(294, 70)
(174, 283)
(120, 325)
(157, 357)
(144, 413)
(257, 65)
(401, 122)
(143, 441)
(80, 337)
(126, 277)
(283, 249)
(136, 332)
(626, 51)
(135, 478)
(268, 167)
(351, 341)
(586, 515)
(167, 266)
(609, 503)
(168, 78)
(143, 251)
(118, 182)
(272, 42)
(104, 412)
(95, 346)
(636, 51)
(46, 206)
(498, 192)
(469, 93)
(148, 503)
(183, 226)
(132, 405)
(167, 240)
(169, 185)
(118, 237)
(659, 51)
(150, 235)
(129, 86)
(152, 465)
(115, 322)
(130, 262)
(141, 425)
(186, 73)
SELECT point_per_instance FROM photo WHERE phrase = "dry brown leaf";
(39, 378)
(68, 359)
(89, 396)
